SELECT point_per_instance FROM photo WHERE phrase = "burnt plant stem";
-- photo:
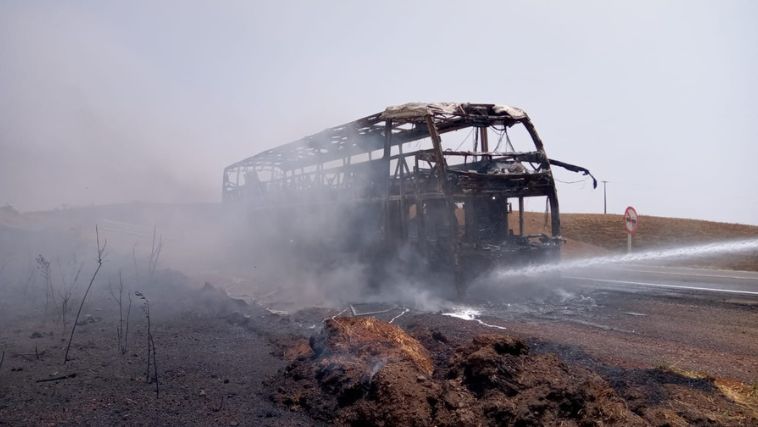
(120, 328)
(66, 290)
(64, 307)
(136, 266)
(62, 377)
(121, 331)
(155, 252)
(155, 367)
(150, 346)
(44, 268)
(100, 252)
(29, 280)
(126, 332)
(147, 314)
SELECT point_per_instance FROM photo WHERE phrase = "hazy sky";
(105, 102)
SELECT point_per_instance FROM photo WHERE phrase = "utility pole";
(605, 200)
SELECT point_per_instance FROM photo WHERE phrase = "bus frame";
(452, 207)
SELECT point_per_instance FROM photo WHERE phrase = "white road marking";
(673, 273)
(338, 314)
(660, 285)
(405, 310)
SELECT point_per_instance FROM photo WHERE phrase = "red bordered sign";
(631, 220)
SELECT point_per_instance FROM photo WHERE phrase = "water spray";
(674, 253)
(467, 313)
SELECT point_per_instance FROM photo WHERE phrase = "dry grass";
(370, 337)
(744, 394)
(736, 391)
(686, 373)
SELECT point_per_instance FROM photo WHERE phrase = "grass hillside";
(607, 232)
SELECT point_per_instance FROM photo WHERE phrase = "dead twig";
(121, 332)
(220, 406)
(67, 290)
(126, 332)
(100, 253)
(62, 377)
(136, 266)
(150, 345)
(155, 252)
(43, 265)
(120, 314)
(155, 367)
(2, 359)
(29, 279)
(31, 356)
(146, 309)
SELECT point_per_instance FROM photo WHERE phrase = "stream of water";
(682, 252)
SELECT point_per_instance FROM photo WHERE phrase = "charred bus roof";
(406, 123)
(368, 133)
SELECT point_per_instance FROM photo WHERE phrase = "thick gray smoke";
(289, 258)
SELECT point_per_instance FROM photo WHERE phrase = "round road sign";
(631, 220)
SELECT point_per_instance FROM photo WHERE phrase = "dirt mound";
(513, 387)
(367, 338)
(366, 371)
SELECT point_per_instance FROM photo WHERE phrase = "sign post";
(631, 221)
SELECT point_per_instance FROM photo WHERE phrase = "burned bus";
(426, 187)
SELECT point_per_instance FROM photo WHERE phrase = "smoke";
(331, 255)
(305, 254)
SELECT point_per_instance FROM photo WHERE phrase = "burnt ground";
(649, 359)
(209, 370)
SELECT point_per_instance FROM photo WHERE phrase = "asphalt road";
(655, 279)
(642, 316)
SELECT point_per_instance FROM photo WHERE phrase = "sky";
(108, 102)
